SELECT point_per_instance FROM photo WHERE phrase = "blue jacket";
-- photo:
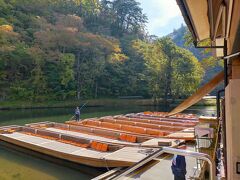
(179, 166)
(77, 112)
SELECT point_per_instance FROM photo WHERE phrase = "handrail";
(169, 150)
(198, 155)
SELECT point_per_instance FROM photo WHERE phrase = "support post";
(218, 102)
(225, 63)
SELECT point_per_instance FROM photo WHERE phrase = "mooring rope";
(106, 164)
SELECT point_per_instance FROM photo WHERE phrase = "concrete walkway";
(161, 169)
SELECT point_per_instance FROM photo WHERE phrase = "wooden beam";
(236, 68)
(197, 96)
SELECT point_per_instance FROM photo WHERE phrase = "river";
(20, 166)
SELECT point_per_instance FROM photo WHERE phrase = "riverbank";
(7, 105)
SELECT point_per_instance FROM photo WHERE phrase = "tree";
(126, 17)
(38, 78)
(68, 35)
(173, 71)
(58, 49)
(154, 61)
(8, 38)
(211, 64)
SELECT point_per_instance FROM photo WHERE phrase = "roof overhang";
(215, 20)
(192, 23)
(199, 18)
(206, 19)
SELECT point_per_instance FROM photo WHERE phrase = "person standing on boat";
(77, 114)
(179, 166)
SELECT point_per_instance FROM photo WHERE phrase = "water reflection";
(19, 166)
(16, 165)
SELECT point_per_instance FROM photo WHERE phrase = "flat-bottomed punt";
(73, 149)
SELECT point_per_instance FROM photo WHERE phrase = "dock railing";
(169, 150)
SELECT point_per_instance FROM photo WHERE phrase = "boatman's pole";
(83, 106)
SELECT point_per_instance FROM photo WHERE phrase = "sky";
(163, 16)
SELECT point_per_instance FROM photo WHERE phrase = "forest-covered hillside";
(211, 66)
(58, 49)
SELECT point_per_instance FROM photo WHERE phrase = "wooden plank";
(156, 142)
(209, 120)
(182, 135)
(234, 36)
(163, 118)
(197, 96)
(130, 153)
(236, 68)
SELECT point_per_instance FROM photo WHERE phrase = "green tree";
(38, 78)
(58, 49)
(126, 17)
(68, 35)
(170, 67)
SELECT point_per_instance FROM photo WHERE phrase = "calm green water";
(20, 166)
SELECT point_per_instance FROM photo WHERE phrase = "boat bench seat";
(74, 143)
(80, 128)
(155, 132)
(61, 126)
(92, 123)
(99, 146)
(126, 122)
(107, 134)
(47, 133)
(128, 138)
(111, 125)
(139, 130)
(40, 132)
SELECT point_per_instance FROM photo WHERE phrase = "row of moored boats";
(111, 141)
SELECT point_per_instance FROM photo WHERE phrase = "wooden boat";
(74, 126)
(166, 115)
(126, 127)
(135, 122)
(114, 139)
(185, 134)
(120, 129)
(157, 122)
(91, 153)
(134, 128)
(169, 119)
(137, 129)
